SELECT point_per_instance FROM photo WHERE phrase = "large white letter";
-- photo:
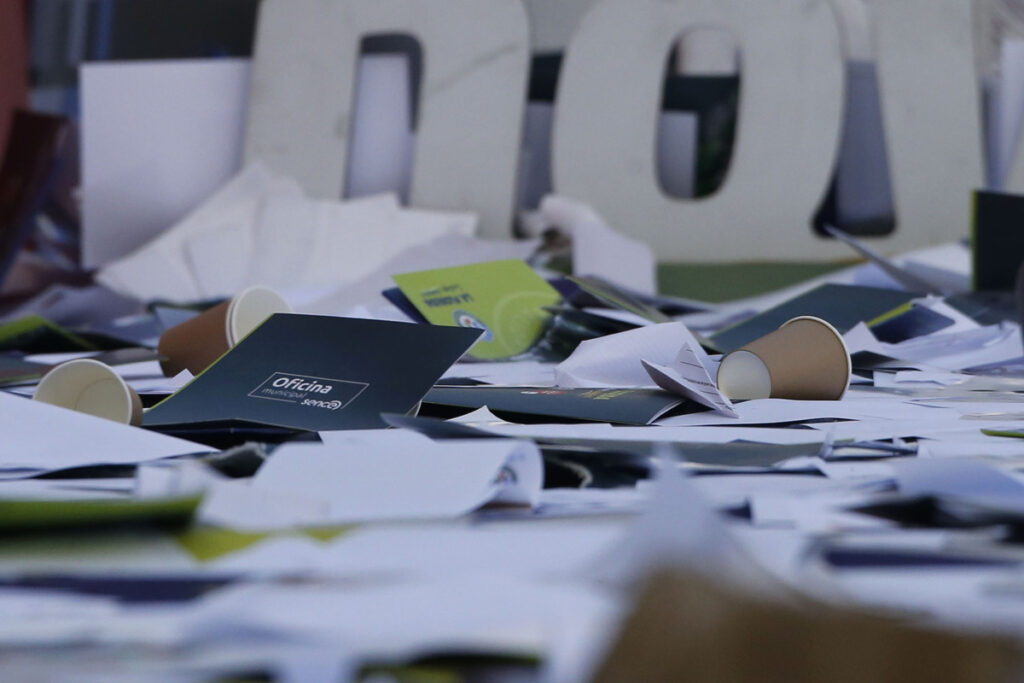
(475, 55)
(790, 111)
(930, 105)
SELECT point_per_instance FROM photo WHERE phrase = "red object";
(27, 173)
(14, 62)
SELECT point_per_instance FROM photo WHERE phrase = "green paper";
(36, 334)
(506, 299)
(1011, 433)
(207, 544)
(19, 515)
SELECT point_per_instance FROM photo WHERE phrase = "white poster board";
(790, 112)
(475, 58)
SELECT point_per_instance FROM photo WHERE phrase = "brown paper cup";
(91, 387)
(195, 344)
(804, 359)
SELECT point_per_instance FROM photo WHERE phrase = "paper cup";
(804, 359)
(92, 387)
(196, 343)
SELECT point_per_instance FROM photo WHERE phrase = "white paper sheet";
(615, 360)
(481, 417)
(963, 479)
(289, 231)
(690, 375)
(970, 444)
(948, 265)
(377, 474)
(161, 269)
(260, 229)
(680, 529)
(555, 549)
(401, 619)
(775, 410)
(656, 434)
(64, 489)
(38, 435)
(953, 351)
(946, 425)
(517, 373)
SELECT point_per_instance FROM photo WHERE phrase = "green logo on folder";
(506, 299)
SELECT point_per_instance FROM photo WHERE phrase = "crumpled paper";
(261, 229)
(597, 248)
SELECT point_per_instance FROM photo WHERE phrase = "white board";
(788, 131)
(158, 137)
(475, 57)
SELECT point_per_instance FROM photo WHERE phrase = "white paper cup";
(91, 387)
(804, 359)
(249, 309)
(196, 343)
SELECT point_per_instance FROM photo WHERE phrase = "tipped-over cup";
(804, 359)
(197, 343)
(89, 386)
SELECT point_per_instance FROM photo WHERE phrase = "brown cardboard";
(685, 627)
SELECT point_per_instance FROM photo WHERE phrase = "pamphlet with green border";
(506, 299)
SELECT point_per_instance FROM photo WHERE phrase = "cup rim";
(230, 334)
(110, 373)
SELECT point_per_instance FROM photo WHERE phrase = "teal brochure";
(997, 245)
(618, 406)
(506, 299)
(17, 370)
(317, 373)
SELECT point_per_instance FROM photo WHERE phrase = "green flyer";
(505, 299)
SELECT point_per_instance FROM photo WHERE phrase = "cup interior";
(90, 387)
(249, 308)
(743, 376)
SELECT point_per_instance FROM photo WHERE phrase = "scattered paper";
(260, 229)
(597, 249)
(690, 375)
(615, 360)
(375, 475)
(968, 480)
(39, 436)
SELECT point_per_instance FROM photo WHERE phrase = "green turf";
(723, 282)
